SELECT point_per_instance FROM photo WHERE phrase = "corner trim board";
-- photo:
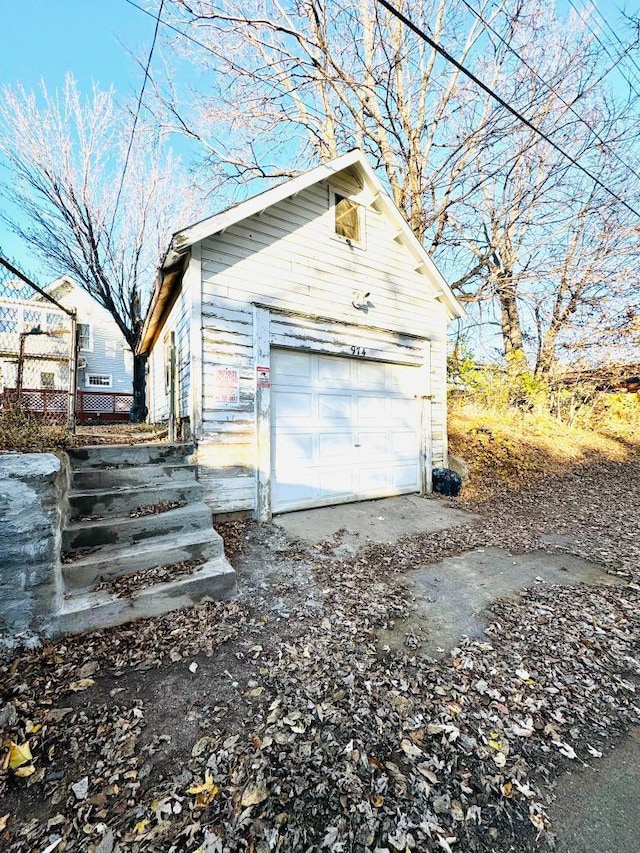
(262, 350)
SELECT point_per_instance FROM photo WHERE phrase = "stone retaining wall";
(32, 496)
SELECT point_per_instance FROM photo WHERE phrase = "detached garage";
(300, 339)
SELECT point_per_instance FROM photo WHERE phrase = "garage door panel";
(404, 476)
(334, 406)
(373, 445)
(291, 365)
(290, 494)
(336, 482)
(370, 375)
(403, 412)
(335, 445)
(374, 480)
(372, 409)
(293, 448)
(334, 370)
(342, 429)
(292, 406)
(404, 445)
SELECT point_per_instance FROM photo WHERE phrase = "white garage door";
(342, 429)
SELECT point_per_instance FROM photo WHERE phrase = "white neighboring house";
(307, 328)
(105, 361)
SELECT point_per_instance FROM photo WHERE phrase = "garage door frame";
(287, 330)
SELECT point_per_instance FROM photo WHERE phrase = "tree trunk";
(510, 322)
(138, 411)
(548, 350)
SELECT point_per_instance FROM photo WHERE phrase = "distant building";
(36, 354)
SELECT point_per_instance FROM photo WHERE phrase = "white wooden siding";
(288, 261)
(178, 321)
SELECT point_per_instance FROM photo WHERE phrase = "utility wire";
(201, 44)
(407, 22)
(615, 35)
(551, 89)
(137, 115)
(444, 53)
(615, 59)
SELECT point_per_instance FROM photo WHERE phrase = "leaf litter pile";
(276, 722)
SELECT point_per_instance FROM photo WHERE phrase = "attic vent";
(347, 218)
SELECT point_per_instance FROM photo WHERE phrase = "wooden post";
(193, 280)
(172, 388)
(73, 373)
(23, 336)
(426, 464)
(262, 352)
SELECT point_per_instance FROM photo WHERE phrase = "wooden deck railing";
(53, 404)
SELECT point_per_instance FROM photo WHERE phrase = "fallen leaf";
(24, 771)
(410, 748)
(81, 684)
(204, 792)
(81, 788)
(19, 754)
(565, 749)
(88, 669)
(254, 794)
(4, 820)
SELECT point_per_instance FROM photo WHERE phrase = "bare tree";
(299, 82)
(66, 159)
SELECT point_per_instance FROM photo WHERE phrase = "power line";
(616, 36)
(444, 53)
(407, 22)
(615, 59)
(550, 88)
(138, 108)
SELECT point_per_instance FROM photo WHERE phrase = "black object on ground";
(446, 482)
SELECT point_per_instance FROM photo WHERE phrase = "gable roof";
(354, 161)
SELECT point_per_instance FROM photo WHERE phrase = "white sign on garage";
(342, 429)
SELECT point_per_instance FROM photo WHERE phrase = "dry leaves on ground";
(304, 736)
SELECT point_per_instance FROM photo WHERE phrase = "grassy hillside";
(507, 448)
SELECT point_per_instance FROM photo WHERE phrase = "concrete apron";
(383, 521)
(595, 810)
(448, 598)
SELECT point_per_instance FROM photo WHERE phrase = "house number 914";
(359, 351)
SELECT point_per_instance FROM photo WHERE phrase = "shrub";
(20, 431)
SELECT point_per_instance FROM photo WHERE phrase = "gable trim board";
(266, 284)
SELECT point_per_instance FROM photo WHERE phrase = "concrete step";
(111, 503)
(127, 455)
(86, 479)
(131, 531)
(115, 561)
(90, 611)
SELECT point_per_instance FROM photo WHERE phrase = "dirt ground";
(279, 721)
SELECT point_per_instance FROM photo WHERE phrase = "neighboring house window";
(99, 380)
(347, 218)
(55, 321)
(31, 319)
(8, 320)
(85, 340)
(47, 380)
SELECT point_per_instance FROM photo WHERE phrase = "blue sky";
(96, 40)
